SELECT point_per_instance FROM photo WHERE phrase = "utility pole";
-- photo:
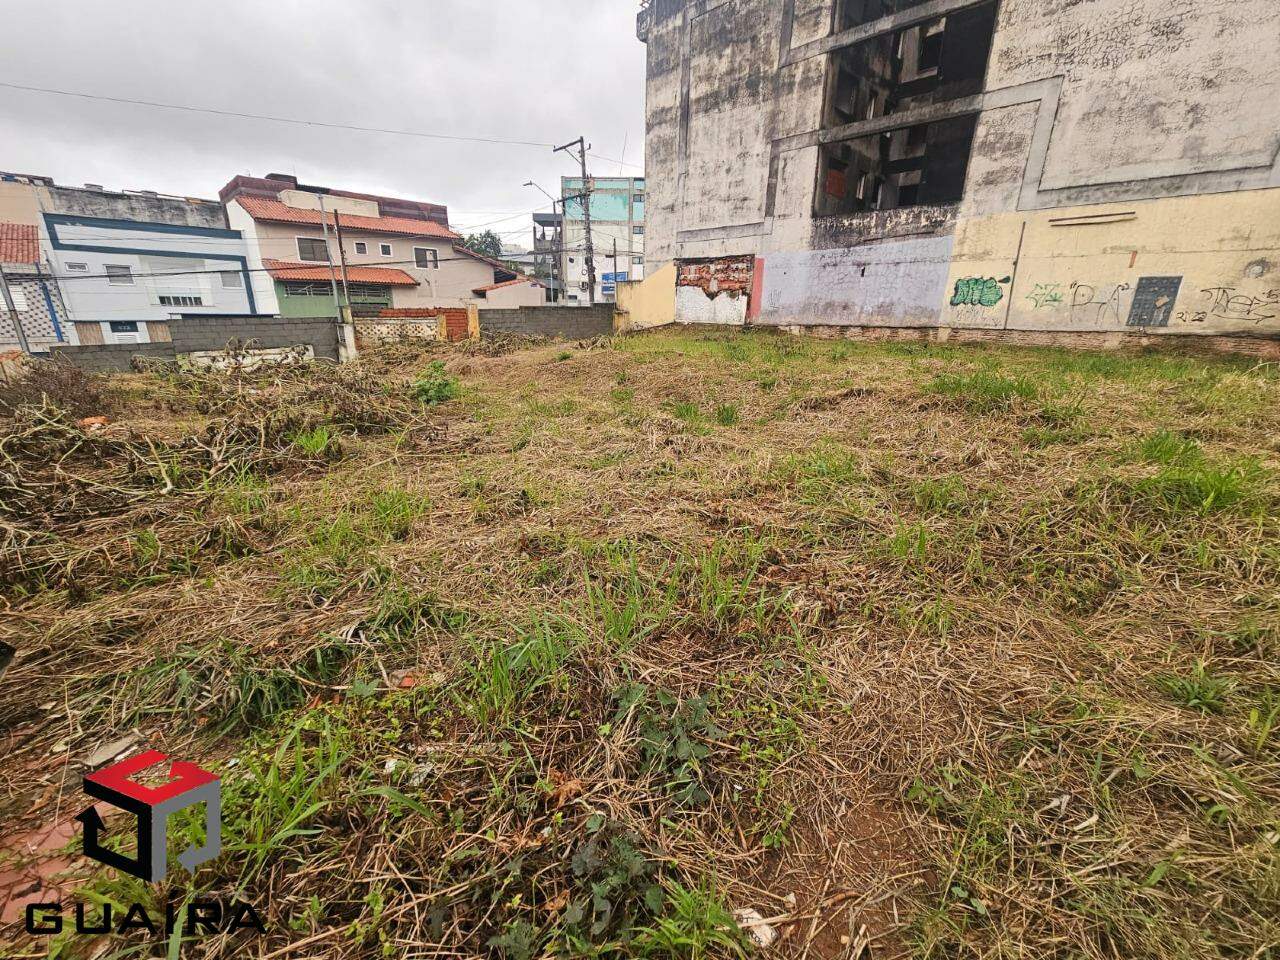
(581, 145)
(333, 277)
(615, 269)
(342, 257)
(13, 312)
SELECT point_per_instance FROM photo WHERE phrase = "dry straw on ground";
(932, 652)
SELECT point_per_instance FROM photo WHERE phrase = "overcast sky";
(539, 70)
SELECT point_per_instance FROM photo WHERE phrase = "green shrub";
(435, 386)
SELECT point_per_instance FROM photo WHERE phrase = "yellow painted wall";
(650, 302)
(1080, 268)
(18, 203)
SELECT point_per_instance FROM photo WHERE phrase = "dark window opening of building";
(930, 62)
(924, 164)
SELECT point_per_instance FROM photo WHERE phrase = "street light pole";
(555, 295)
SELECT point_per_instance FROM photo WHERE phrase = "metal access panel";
(1153, 301)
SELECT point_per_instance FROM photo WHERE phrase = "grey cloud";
(543, 71)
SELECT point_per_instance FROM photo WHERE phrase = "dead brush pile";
(59, 475)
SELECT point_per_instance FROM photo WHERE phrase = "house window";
(571, 260)
(637, 231)
(78, 267)
(181, 301)
(361, 247)
(637, 198)
(426, 258)
(19, 299)
(302, 288)
(384, 249)
(232, 280)
(370, 293)
(314, 250)
(637, 261)
(119, 276)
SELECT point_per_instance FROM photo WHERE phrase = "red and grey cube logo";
(188, 785)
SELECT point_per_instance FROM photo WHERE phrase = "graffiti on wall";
(1225, 303)
(1153, 301)
(1097, 305)
(1046, 295)
(978, 291)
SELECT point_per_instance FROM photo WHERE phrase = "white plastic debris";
(761, 933)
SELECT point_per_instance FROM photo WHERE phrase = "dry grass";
(935, 652)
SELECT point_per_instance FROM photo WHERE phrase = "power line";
(292, 266)
(273, 119)
(625, 163)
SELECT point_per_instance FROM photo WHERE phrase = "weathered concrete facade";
(1110, 166)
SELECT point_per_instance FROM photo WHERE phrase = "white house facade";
(121, 280)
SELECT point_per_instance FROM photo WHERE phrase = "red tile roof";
(19, 243)
(273, 211)
(508, 283)
(284, 270)
(468, 252)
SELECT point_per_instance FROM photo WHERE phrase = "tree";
(487, 244)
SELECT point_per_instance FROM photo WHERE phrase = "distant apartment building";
(399, 254)
(617, 210)
(35, 298)
(547, 242)
(123, 263)
(1085, 172)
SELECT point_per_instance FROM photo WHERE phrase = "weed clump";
(984, 392)
(1201, 690)
(435, 386)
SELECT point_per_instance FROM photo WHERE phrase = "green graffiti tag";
(1046, 295)
(978, 292)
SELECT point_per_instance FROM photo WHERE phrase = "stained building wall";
(1123, 175)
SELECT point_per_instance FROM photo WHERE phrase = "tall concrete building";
(1083, 170)
(617, 234)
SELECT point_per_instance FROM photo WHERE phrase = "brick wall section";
(1265, 348)
(192, 334)
(570, 323)
(212, 333)
(111, 357)
(373, 331)
(455, 318)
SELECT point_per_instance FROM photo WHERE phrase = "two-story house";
(398, 254)
(121, 264)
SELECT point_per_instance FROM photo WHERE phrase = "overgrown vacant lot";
(579, 650)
